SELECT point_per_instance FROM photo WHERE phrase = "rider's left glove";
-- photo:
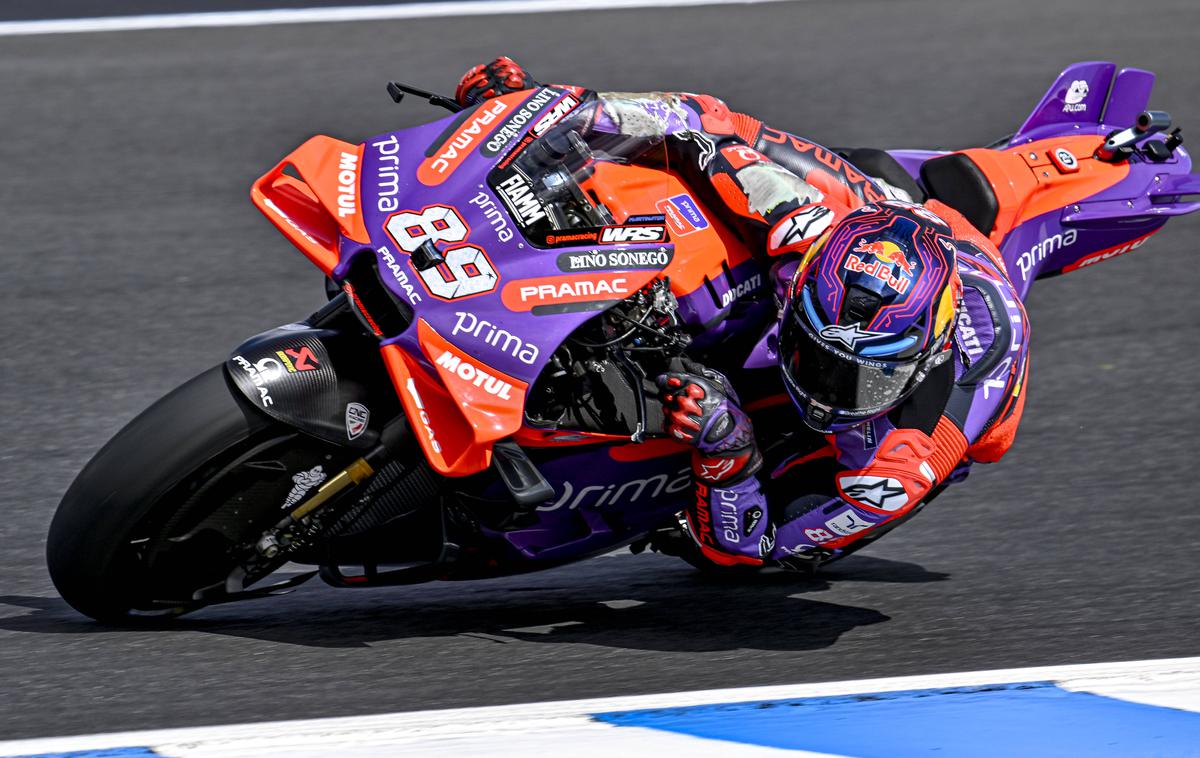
(500, 77)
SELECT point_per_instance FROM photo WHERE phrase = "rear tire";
(135, 533)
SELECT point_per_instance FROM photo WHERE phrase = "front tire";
(160, 512)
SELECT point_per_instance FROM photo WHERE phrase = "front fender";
(325, 381)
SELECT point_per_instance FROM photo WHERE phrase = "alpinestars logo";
(715, 470)
(802, 225)
(883, 493)
(849, 335)
(518, 195)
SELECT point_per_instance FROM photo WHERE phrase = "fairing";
(1061, 209)
(521, 269)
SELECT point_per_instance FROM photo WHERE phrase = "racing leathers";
(828, 494)
(831, 494)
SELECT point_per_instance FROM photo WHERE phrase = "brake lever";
(398, 90)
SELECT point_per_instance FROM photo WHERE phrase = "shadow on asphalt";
(766, 612)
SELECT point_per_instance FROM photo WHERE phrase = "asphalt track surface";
(132, 259)
(41, 10)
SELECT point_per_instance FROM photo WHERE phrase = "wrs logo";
(619, 234)
(555, 115)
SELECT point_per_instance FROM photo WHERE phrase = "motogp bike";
(476, 397)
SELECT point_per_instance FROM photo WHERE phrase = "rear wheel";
(164, 512)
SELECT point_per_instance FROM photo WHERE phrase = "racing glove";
(500, 77)
(700, 409)
(728, 516)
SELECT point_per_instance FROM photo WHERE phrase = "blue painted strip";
(1000, 721)
(116, 752)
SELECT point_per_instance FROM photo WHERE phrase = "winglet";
(1076, 97)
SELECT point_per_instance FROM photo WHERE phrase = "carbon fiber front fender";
(325, 381)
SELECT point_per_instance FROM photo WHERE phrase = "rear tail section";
(1087, 96)
(1091, 175)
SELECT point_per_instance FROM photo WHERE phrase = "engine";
(601, 377)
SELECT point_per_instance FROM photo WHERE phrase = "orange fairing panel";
(493, 403)
(311, 211)
(1028, 183)
(460, 413)
(700, 252)
(444, 435)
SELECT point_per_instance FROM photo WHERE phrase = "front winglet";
(324, 201)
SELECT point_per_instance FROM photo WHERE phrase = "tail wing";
(1087, 95)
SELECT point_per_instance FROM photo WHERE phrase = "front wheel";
(163, 512)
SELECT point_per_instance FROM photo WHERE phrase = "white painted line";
(527, 729)
(346, 13)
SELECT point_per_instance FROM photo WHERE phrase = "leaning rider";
(902, 343)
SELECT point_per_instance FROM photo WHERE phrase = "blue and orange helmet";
(869, 314)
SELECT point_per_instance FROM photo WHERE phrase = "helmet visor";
(850, 385)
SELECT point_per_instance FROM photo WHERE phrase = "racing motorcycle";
(476, 397)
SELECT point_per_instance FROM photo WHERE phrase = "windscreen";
(570, 182)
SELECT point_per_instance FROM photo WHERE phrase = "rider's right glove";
(728, 516)
(700, 409)
(500, 77)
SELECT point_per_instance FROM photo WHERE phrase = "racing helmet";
(870, 312)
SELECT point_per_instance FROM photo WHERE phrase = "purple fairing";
(1076, 98)
(726, 309)
(765, 353)
(598, 502)
(912, 160)
(390, 187)
(1044, 245)
(601, 499)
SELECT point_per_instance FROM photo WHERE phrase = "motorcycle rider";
(903, 344)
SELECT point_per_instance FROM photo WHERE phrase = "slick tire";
(119, 546)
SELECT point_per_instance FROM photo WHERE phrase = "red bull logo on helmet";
(888, 257)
